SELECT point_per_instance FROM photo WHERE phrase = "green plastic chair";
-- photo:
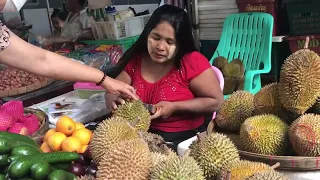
(248, 36)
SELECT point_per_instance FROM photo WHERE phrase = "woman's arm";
(24, 56)
(206, 89)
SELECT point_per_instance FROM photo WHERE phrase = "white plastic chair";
(184, 145)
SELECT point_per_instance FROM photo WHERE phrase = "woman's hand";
(112, 102)
(116, 87)
(164, 109)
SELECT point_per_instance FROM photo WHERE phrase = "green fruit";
(267, 101)
(240, 170)
(177, 168)
(25, 150)
(40, 170)
(220, 62)
(268, 175)
(4, 160)
(304, 135)
(133, 110)
(61, 174)
(264, 134)
(214, 153)
(108, 133)
(130, 158)
(235, 110)
(17, 137)
(4, 146)
(300, 81)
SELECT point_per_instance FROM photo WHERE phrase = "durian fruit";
(155, 142)
(108, 133)
(268, 175)
(177, 168)
(240, 170)
(159, 157)
(229, 85)
(264, 134)
(220, 62)
(129, 159)
(235, 110)
(304, 135)
(133, 110)
(231, 70)
(240, 63)
(86, 177)
(267, 101)
(300, 80)
(213, 153)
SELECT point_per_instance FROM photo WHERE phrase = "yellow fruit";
(48, 134)
(71, 144)
(55, 141)
(83, 149)
(84, 135)
(45, 147)
(66, 125)
(79, 125)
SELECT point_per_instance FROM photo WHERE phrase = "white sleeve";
(85, 21)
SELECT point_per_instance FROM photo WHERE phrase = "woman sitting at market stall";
(19, 54)
(166, 70)
(77, 25)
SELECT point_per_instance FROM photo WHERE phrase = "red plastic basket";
(297, 42)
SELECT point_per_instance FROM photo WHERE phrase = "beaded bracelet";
(103, 78)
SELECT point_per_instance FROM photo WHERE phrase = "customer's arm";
(24, 56)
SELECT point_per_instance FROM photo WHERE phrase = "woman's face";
(162, 43)
(57, 23)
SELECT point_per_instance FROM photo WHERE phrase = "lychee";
(14, 108)
(31, 122)
(6, 121)
(19, 128)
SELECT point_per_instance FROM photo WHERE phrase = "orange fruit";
(84, 135)
(71, 144)
(83, 149)
(79, 125)
(45, 147)
(48, 134)
(66, 125)
(55, 141)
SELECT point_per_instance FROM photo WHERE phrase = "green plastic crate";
(126, 43)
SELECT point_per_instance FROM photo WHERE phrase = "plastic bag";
(92, 109)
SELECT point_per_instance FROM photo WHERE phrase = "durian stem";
(306, 44)
(187, 153)
(210, 127)
(199, 137)
(135, 122)
(275, 166)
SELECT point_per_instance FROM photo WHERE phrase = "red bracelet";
(103, 78)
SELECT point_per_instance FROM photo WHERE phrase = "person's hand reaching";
(119, 88)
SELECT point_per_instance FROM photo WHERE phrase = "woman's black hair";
(83, 3)
(61, 14)
(179, 20)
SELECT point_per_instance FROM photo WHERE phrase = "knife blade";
(150, 107)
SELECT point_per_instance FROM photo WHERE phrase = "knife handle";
(152, 110)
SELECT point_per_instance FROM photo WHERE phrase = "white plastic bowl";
(184, 145)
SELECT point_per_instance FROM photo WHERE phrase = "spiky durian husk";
(159, 157)
(177, 168)
(108, 133)
(267, 101)
(235, 110)
(155, 142)
(128, 159)
(214, 153)
(86, 177)
(134, 110)
(240, 170)
(305, 136)
(264, 134)
(299, 84)
(268, 175)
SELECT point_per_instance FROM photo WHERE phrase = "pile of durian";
(233, 74)
(123, 149)
(282, 116)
